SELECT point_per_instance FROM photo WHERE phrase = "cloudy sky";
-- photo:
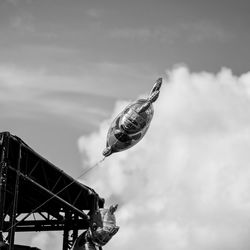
(68, 67)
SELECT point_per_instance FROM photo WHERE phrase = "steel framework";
(35, 195)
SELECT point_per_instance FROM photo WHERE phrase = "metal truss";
(37, 196)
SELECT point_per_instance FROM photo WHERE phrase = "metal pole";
(75, 230)
(3, 180)
(66, 230)
(15, 202)
(2, 192)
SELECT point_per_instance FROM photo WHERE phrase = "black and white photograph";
(124, 125)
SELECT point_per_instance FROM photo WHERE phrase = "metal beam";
(3, 180)
(48, 225)
(53, 196)
(66, 230)
(15, 202)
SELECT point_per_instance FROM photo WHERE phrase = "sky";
(68, 67)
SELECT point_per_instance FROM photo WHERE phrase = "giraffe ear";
(113, 208)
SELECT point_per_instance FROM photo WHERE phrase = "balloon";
(129, 127)
(102, 228)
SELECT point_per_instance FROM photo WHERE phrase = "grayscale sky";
(64, 64)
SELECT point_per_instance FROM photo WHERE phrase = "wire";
(53, 196)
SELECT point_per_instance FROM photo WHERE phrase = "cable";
(53, 196)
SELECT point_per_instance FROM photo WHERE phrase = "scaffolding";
(36, 196)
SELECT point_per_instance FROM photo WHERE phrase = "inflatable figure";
(102, 229)
(132, 123)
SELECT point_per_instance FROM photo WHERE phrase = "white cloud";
(88, 78)
(80, 98)
(204, 30)
(16, 2)
(95, 13)
(192, 32)
(47, 240)
(13, 2)
(186, 184)
(23, 23)
(132, 33)
(28, 93)
(40, 240)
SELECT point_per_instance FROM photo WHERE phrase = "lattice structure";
(35, 195)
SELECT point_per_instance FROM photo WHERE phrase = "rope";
(72, 182)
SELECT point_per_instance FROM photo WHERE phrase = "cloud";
(132, 33)
(201, 31)
(185, 186)
(27, 92)
(95, 13)
(41, 240)
(24, 23)
(47, 240)
(16, 2)
(192, 32)
(13, 2)
(83, 77)
(76, 97)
